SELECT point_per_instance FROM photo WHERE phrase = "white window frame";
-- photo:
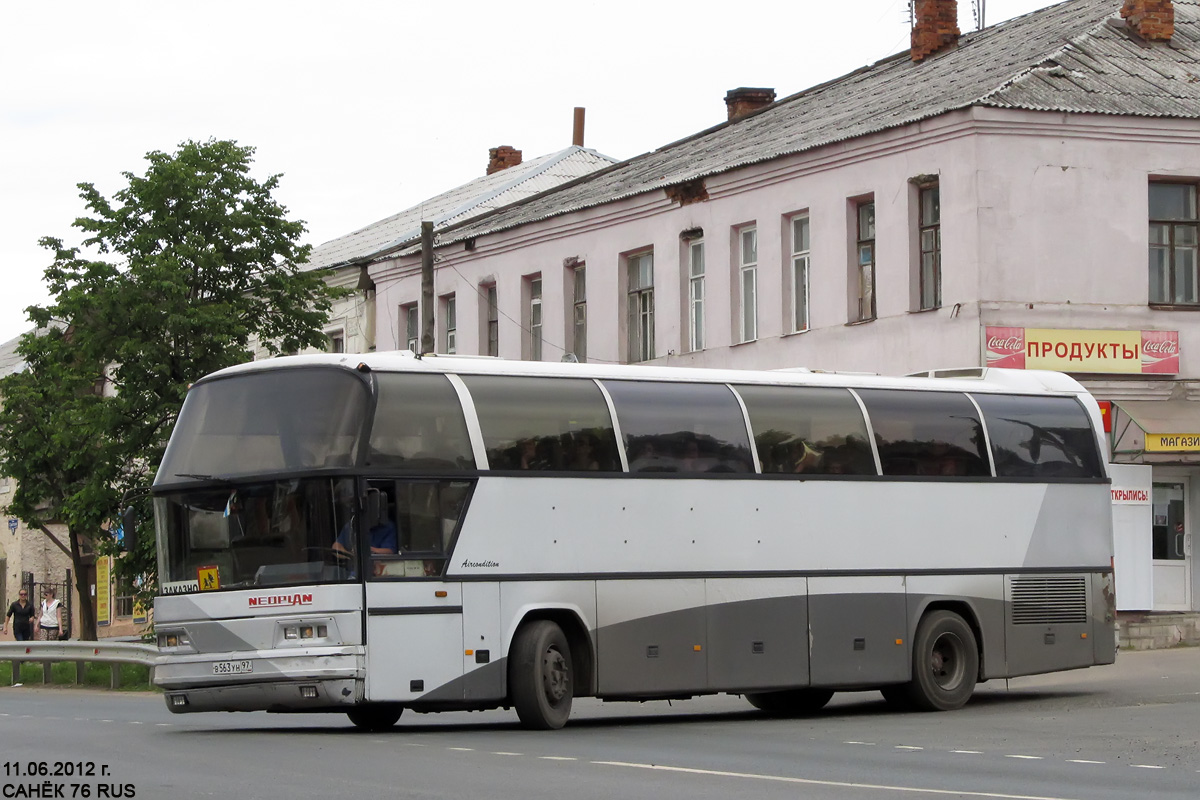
(747, 283)
(579, 312)
(798, 274)
(640, 274)
(450, 317)
(695, 249)
(929, 249)
(864, 254)
(491, 299)
(411, 318)
(535, 318)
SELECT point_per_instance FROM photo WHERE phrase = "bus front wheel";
(792, 702)
(374, 717)
(539, 675)
(945, 662)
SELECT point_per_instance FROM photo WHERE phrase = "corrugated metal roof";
(461, 203)
(1076, 56)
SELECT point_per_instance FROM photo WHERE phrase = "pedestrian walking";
(49, 622)
(21, 611)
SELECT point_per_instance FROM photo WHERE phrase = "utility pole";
(427, 345)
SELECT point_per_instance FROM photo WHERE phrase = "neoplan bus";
(365, 534)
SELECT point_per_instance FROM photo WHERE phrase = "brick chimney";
(502, 157)
(745, 100)
(936, 27)
(1153, 20)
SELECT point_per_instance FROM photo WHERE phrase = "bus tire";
(374, 717)
(792, 702)
(540, 677)
(945, 662)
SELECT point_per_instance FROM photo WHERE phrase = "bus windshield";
(275, 421)
(271, 533)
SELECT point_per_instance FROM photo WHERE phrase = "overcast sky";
(366, 108)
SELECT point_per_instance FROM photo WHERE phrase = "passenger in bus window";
(584, 455)
(529, 458)
(807, 459)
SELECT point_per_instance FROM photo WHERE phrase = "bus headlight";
(173, 639)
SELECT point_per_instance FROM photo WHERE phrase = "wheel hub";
(555, 678)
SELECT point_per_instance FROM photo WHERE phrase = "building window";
(336, 341)
(450, 315)
(641, 307)
(865, 261)
(930, 223)
(493, 320)
(579, 313)
(798, 275)
(535, 318)
(748, 284)
(695, 251)
(1173, 244)
(410, 318)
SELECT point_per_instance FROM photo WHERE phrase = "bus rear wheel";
(540, 676)
(945, 662)
(792, 702)
(374, 717)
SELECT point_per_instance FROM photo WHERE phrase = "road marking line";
(462, 749)
(557, 758)
(908, 747)
(814, 782)
(135, 722)
(413, 744)
(1029, 758)
(865, 744)
(162, 724)
(507, 754)
(1083, 761)
(1147, 766)
(969, 752)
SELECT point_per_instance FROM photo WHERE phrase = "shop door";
(1172, 546)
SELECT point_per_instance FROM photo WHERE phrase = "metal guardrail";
(47, 653)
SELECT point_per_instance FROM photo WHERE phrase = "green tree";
(184, 268)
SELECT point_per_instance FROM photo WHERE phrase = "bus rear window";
(547, 424)
(926, 433)
(277, 420)
(681, 427)
(814, 431)
(419, 424)
(1040, 437)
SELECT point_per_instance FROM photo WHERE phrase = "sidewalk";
(1144, 630)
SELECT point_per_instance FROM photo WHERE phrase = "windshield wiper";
(200, 477)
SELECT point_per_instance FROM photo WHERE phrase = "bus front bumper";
(313, 680)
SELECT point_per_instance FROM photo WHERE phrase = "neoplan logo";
(265, 600)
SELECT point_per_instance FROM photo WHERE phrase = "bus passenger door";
(414, 641)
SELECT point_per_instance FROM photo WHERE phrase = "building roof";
(456, 205)
(1076, 56)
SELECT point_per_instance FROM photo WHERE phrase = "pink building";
(1023, 195)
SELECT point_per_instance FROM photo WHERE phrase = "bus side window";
(933, 434)
(808, 430)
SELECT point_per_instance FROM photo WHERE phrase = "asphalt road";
(1125, 732)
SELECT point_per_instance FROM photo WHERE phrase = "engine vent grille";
(1049, 601)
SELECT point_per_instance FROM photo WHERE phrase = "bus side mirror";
(128, 529)
(373, 508)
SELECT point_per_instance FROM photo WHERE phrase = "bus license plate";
(232, 667)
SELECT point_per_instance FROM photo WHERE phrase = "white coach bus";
(366, 534)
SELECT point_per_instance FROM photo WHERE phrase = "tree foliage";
(177, 275)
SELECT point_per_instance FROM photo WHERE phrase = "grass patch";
(134, 677)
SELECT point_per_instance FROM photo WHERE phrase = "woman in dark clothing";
(22, 612)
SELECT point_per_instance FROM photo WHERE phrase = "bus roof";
(1005, 381)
